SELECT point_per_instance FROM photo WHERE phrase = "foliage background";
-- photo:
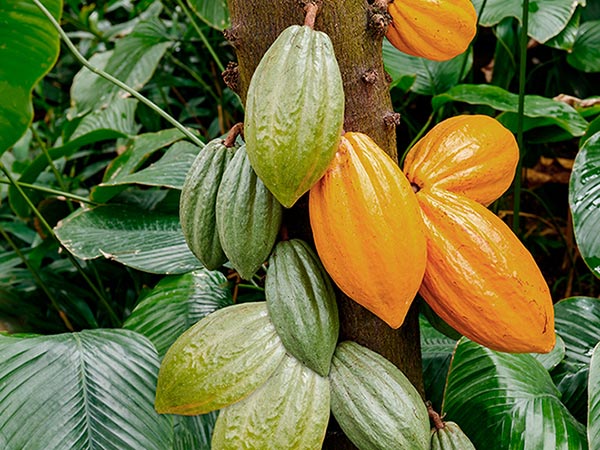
(96, 247)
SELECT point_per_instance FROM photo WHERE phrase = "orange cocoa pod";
(470, 155)
(481, 279)
(434, 29)
(368, 229)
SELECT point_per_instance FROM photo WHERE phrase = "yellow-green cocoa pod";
(294, 112)
(301, 304)
(198, 199)
(450, 437)
(289, 411)
(248, 216)
(374, 403)
(219, 361)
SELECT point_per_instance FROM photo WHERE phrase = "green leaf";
(176, 303)
(430, 77)
(213, 12)
(133, 61)
(594, 400)
(193, 432)
(586, 50)
(92, 389)
(219, 361)
(566, 38)
(577, 321)
(118, 120)
(146, 240)
(547, 18)
(291, 410)
(137, 152)
(593, 128)
(584, 201)
(554, 358)
(504, 400)
(169, 171)
(436, 352)
(551, 111)
(29, 49)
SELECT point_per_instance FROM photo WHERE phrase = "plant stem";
(38, 279)
(520, 116)
(51, 191)
(418, 136)
(113, 316)
(202, 36)
(149, 103)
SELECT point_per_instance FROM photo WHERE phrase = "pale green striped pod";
(374, 403)
(451, 437)
(197, 203)
(248, 216)
(294, 112)
(301, 304)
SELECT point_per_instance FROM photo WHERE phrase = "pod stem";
(310, 9)
(234, 132)
(435, 417)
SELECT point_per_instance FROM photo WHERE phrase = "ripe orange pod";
(434, 29)
(481, 279)
(470, 155)
(368, 229)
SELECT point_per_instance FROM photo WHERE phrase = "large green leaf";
(146, 240)
(169, 171)
(508, 401)
(586, 50)
(176, 303)
(436, 352)
(584, 201)
(421, 75)
(86, 390)
(594, 400)
(28, 50)
(133, 61)
(139, 149)
(290, 410)
(577, 321)
(547, 18)
(551, 111)
(213, 12)
(219, 361)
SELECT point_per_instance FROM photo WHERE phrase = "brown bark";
(356, 30)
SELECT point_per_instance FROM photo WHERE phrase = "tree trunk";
(356, 30)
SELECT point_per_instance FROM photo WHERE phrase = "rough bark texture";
(355, 28)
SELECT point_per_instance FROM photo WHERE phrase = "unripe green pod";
(198, 199)
(294, 112)
(289, 411)
(450, 437)
(374, 403)
(248, 216)
(301, 304)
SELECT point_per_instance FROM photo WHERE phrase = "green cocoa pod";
(294, 112)
(197, 204)
(450, 437)
(302, 305)
(289, 411)
(374, 403)
(218, 361)
(248, 216)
